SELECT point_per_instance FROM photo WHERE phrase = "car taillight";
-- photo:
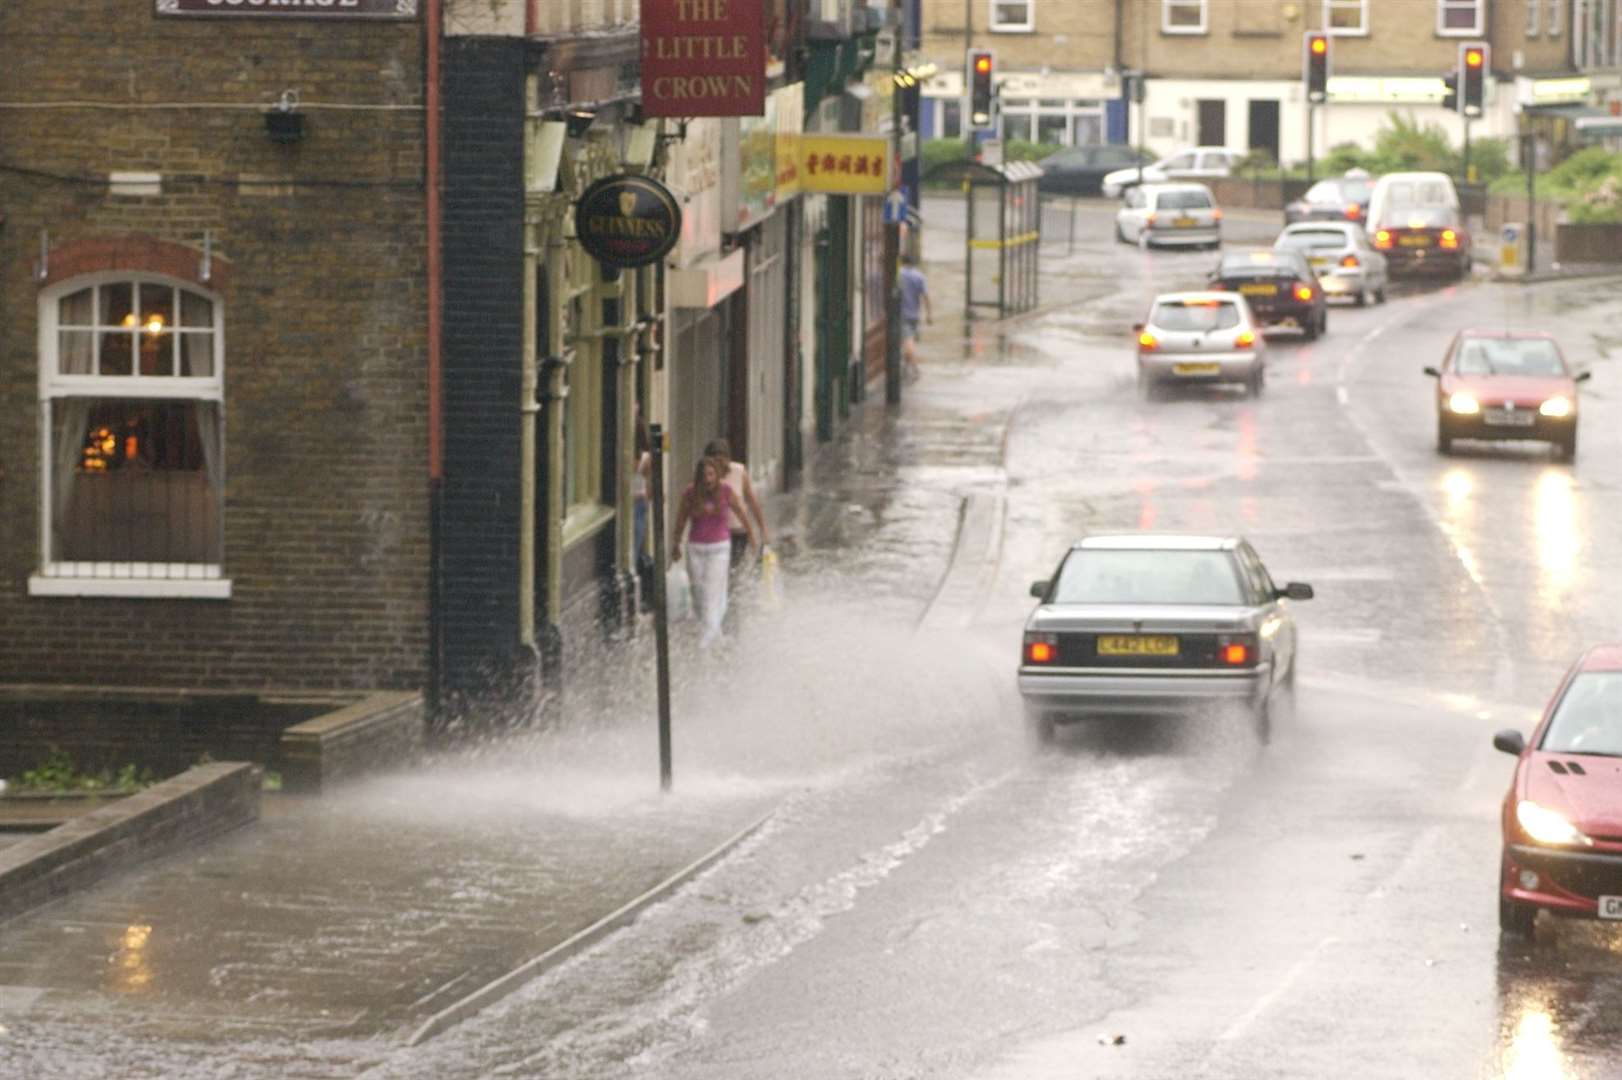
(1245, 340)
(1041, 648)
(1303, 291)
(1235, 653)
(1237, 650)
(1382, 238)
(1353, 212)
(1349, 260)
(1147, 342)
(1450, 239)
(1149, 220)
(1216, 214)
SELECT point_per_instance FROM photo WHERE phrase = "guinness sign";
(627, 221)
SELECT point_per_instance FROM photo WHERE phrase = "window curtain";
(71, 416)
(212, 439)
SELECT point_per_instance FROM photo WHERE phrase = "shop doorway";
(1213, 118)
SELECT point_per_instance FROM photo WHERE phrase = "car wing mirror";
(1137, 328)
(1296, 590)
(1433, 373)
(1583, 376)
(1039, 589)
(1510, 741)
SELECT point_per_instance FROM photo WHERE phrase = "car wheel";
(1310, 330)
(1379, 294)
(1147, 390)
(1038, 725)
(1323, 322)
(1566, 447)
(1444, 440)
(1516, 920)
(1143, 239)
(1364, 298)
(1120, 234)
(1258, 380)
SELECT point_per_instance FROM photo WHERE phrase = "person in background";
(641, 558)
(736, 475)
(915, 302)
(705, 504)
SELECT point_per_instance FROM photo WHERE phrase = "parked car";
(1415, 220)
(1280, 287)
(1561, 819)
(1080, 170)
(1506, 384)
(1344, 198)
(1175, 215)
(1200, 337)
(1143, 624)
(1193, 164)
(1340, 254)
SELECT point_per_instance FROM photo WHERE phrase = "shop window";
(951, 118)
(1346, 18)
(132, 426)
(1182, 16)
(1459, 18)
(1013, 15)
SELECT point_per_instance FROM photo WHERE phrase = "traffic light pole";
(892, 234)
(1312, 122)
(1468, 178)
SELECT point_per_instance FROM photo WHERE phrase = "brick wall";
(1069, 35)
(326, 538)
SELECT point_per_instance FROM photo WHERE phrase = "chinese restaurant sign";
(332, 9)
(844, 164)
(704, 57)
(627, 221)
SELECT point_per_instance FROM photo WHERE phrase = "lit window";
(1346, 18)
(1182, 16)
(1013, 15)
(131, 411)
(1459, 18)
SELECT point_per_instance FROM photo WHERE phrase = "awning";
(1570, 110)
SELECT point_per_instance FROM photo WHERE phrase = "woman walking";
(707, 504)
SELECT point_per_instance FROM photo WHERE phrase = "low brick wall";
(1574, 244)
(198, 804)
(380, 731)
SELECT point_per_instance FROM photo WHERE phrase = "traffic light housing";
(1450, 98)
(1315, 65)
(1474, 60)
(982, 69)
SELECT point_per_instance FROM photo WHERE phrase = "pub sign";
(703, 58)
(627, 221)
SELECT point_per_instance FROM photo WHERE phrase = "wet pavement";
(925, 897)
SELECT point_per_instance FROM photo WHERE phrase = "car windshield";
(1182, 200)
(1195, 315)
(1257, 262)
(1420, 217)
(1308, 239)
(1147, 577)
(1588, 719)
(1508, 356)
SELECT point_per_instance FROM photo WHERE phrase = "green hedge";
(939, 151)
(1588, 182)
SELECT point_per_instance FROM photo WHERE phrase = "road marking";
(1263, 1003)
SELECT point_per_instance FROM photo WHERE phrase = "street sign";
(895, 207)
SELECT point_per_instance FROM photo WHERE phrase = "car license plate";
(1414, 241)
(1137, 645)
(1261, 289)
(1195, 369)
(1318, 264)
(1509, 418)
(1184, 223)
(1610, 907)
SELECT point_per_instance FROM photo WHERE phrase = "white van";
(1414, 219)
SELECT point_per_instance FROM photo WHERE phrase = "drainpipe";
(436, 453)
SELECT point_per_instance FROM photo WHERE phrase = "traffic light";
(1450, 99)
(1474, 57)
(1315, 65)
(981, 93)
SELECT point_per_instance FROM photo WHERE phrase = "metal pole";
(1312, 117)
(892, 234)
(1466, 178)
(1531, 154)
(661, 622)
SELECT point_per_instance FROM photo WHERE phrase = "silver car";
(1200, 337)
(1146, 624)
(1169, 215)
(1346, 263)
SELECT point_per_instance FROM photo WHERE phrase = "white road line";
(1265, 1002)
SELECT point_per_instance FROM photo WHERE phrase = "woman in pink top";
(706, 505)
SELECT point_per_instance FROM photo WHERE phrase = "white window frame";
(205, 581)
(1445, 6)
(1362, 9)
(1166, 7)
(1000, 26)
(1533, 21)
(1554, 22)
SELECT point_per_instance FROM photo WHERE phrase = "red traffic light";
(982, 64)
(1319, 45)
(1472, 57)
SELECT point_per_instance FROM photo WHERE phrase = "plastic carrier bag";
(678, 592)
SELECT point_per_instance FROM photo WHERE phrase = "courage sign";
(703, 58)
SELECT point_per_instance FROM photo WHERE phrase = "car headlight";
(1545, 826)
(1463, 403)
(1556, 406)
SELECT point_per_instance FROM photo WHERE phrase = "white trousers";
(707, 566)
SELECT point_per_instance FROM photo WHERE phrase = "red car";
(1506, 384)
(1562, 818)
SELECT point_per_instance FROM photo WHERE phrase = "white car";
(1201, 161)
(1200, 337)
(1175, 215)
(1346, 263)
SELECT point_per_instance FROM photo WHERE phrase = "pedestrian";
(641, 557)
(915, 302)
(705, 504)
(736, 476)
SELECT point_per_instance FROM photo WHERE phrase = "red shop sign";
(703, 57)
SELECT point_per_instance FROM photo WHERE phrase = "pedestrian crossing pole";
(661, 620)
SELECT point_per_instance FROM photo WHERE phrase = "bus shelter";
(1002, 231)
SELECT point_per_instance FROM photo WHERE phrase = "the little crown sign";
(627, 221)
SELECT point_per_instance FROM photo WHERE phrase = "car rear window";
(1308, 239)
(1148, 577)
(1508, 356)
(1255, 263)
(1182, 200)
(1406, 193)
(1195, 315)
(1588, 719)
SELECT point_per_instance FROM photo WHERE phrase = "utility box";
(1512, 249)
